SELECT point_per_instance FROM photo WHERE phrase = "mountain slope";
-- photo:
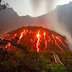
(38, 39)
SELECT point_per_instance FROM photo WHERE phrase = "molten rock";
(38, 39)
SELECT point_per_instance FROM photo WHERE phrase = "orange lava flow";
(66, 41)
(45, 40)
(8, 46)
(15, 35)
(21, 35)
(61, 42)
(54, 37)
(38, 41)
(6, 35)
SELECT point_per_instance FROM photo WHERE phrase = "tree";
(3, 6)
(0, 1)
(54, 67)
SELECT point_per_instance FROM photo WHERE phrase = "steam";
(50, 4)
(35, 4)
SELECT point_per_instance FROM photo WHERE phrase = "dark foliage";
(24, 60)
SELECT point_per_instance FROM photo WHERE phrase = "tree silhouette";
(3, 6)
(0, 1)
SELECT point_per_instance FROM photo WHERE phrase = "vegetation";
(24, 60)
(3, 6)
(32, 62)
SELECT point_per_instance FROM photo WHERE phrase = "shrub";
(54, 67)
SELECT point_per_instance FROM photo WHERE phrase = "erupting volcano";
(38, 39)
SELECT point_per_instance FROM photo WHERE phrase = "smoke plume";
(35, 4)
(50, 4)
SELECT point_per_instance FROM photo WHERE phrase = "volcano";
(38, 39)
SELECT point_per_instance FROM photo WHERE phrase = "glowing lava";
(54, 37)
(22, 34)
(57, 37)
(15, 35)
(6, 35)
(38, 41)
(45, 40)
(8, 46)
(66, 41)
(38, 38)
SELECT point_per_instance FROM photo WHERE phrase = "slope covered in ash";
(38, 39)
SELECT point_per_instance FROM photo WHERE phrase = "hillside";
(38, 39)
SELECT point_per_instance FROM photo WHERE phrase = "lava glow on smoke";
(39, 39)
